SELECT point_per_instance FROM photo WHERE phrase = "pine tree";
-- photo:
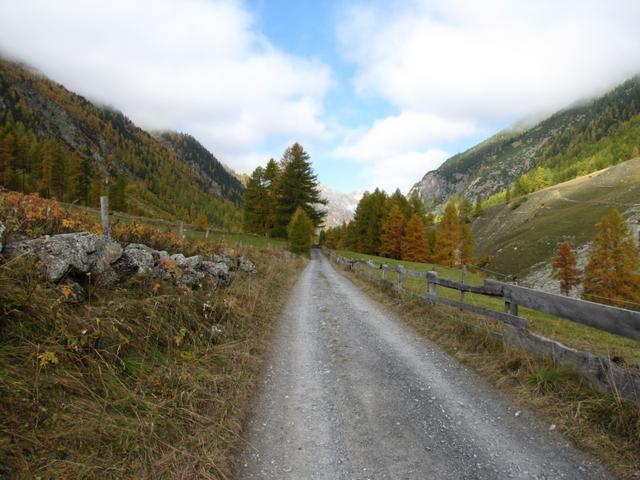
(392, 232)
(367, 222)
(297, 188)
(271, 178)
(414, 245)
(255, 206)
(417, 205)
(447, 244)
(399, 200)
(565, 268)
(612, 273)
(300, 231)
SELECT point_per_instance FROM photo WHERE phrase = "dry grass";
(600, 425)
(143, 381)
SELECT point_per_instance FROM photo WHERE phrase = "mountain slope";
(522, 236)
(557, 144)
(62, 145)
(341, 206)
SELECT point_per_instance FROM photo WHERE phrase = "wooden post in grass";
(400, 273)
(384, 272)
(463, 274)
(431, 287)
(181, 231)
(206, 234)
(104, 215)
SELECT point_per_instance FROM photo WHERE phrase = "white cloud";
(491, 59)
(408, 131)
(195, 65)
(402, 170)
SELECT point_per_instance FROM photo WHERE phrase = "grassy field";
(520, 237)
(570, 333)
(598, 424)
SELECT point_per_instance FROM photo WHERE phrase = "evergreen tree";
(118, 195)
(297, 188)
(392, 232)
(322, 237)
(446, 251)
(367, 220)
(417, 205)
(271, 177)
(611, 275)
(256, 203)
(300, 231)
(414, 245)
(565, 268)
(400, 201)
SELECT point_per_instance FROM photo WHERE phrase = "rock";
(219, 272)
(246, 265)
(73, 254)
(223, 259)
(2, 230)
(186, 262)
(142, 256)
(191, 278)
(126, 266)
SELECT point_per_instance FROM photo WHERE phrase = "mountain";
(58, 143)
(341, 206)
(583, 138)
(522, 236)
(214, 175)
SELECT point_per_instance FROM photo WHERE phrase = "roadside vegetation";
(142, 380)
(603, 426)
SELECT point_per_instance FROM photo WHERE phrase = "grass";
(581, 337)
(144, 380)
(600, 425)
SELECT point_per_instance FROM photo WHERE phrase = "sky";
(377, 92)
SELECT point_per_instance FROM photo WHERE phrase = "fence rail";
(604, 374)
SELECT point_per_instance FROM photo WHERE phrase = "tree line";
(398, 227)
(282, 199)
(612, 273)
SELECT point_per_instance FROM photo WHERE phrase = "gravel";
(350, 393)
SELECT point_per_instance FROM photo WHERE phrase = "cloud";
(196, 65)
(407, 131)
(494, 59)
(402, 170)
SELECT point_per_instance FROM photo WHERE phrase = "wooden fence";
(605, 375)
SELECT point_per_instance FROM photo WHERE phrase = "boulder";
(215, 258)
(142, 256)
(73, 254)
(246, 265)
(218, 272)
(2, 230)
(191, 278)
(186, 262)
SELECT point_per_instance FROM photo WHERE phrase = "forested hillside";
(573, 142)
(59, 144)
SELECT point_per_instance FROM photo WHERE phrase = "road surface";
(351, 393)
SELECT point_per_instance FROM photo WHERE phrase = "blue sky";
(377, 92)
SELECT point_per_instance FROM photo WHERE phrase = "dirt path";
(350, 393)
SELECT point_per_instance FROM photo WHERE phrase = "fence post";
(206, 235)
(104, 215)
(400, 273)
(431, 287)
(181, 231)
(510, 307)
(463, 274)
(384, 272)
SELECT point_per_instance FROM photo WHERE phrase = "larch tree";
(300, 232)
(367, 222)
(271, 177)
(565, 268)
(392, 232)
(446, 251)
(255, 212)
(414, 244)
(612, 273)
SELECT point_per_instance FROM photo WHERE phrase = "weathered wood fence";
(605, 375)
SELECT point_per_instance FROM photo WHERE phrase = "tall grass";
(142, 381)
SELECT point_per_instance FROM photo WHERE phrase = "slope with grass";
(143, 380)
(42, 122)
(582, 138)
(521, 236)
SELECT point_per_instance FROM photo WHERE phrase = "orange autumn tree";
(392, 232)
(414, 244)
(612, 273)
(565, 268)
(446, 251)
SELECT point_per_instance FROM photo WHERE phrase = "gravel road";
(351, 393)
